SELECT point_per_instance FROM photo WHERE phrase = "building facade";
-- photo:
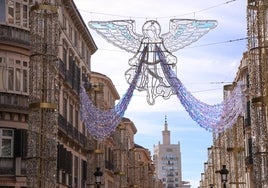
(243, 147)
(232, 147)
(167, 160)
(73, 48)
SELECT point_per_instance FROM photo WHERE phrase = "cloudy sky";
(203, 67)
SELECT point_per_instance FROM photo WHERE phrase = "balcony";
(170, 175)
(71, 77)
(13, 101)
(68, 129)
(82, 139)
(15, 36)
(170, 186)
(7, 166)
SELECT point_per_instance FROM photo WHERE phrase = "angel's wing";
(120, 33)
(183, 32)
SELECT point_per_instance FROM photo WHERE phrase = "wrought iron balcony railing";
(16, 36)
(14, 101)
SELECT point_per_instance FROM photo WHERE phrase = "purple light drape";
(214, 118)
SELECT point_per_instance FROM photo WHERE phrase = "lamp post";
(224, 172)
(98, 175)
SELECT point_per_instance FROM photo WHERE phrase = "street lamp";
(224, 172)
(98, 175)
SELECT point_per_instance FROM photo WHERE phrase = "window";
(84, 170)
(82, 49)
(75, 39)
(76, 119)
(71, 113)
(17, 75)
(6, 142)
(71, 61)
(169, 150)
(10, 78)
(18, 79)
(10, 12)
(2, 72)
(88, 60)
(64, 22)
(76, 167)
(25, 81)
(25, 77)
(65, 108)
(71, 32)
(139, 156)
(65, 54)
(25, 16)
(18, 13)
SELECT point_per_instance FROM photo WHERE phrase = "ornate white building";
(167, 160)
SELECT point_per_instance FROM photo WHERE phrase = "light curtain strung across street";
(102, 123)
(152, 71)
(215, 118)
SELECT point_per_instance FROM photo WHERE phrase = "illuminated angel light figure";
(152, 70)
(182, 32)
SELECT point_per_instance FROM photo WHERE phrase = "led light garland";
(151, 71)
(101, 124)
(214, 118)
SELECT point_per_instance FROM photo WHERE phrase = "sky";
(204, 67)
